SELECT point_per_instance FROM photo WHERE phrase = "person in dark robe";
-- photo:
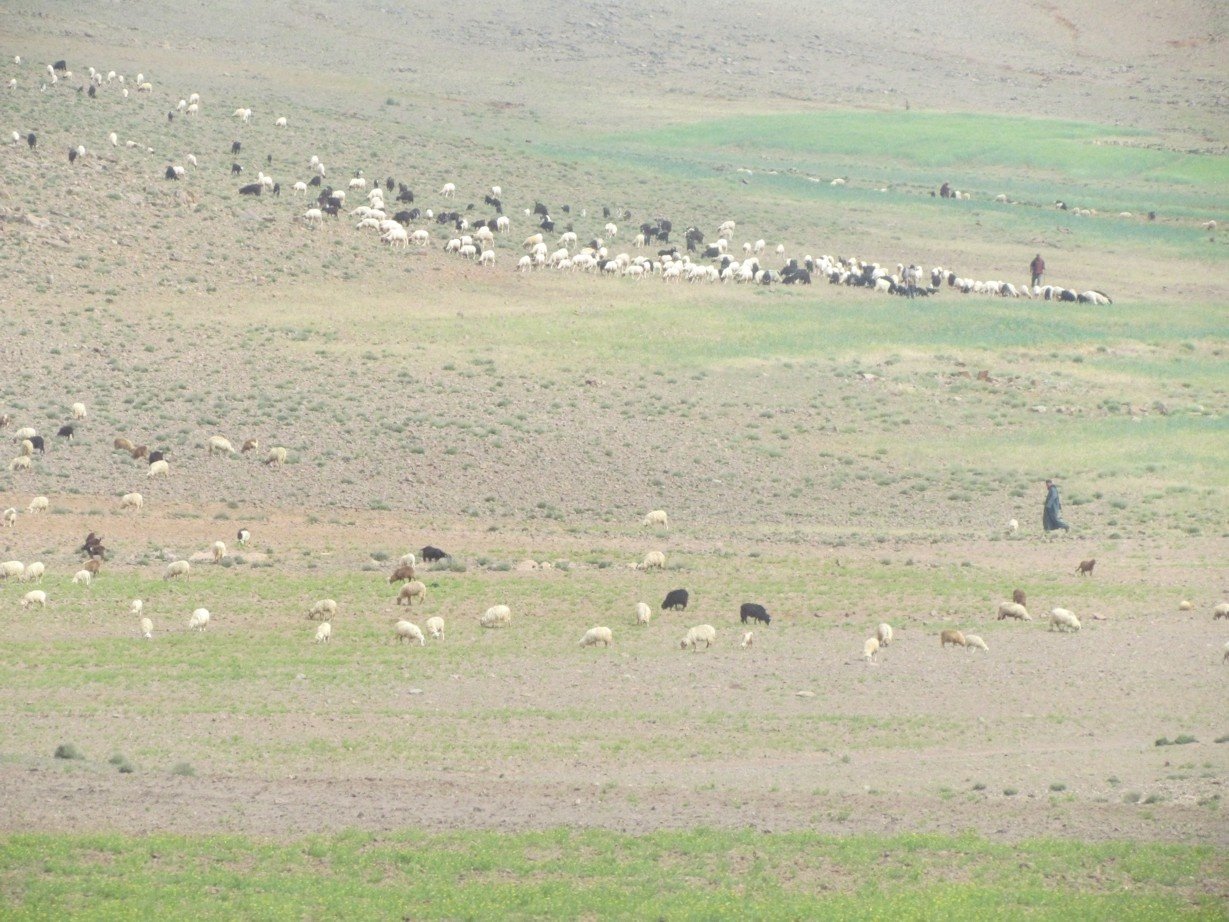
(1052, 515)
(1038, 268)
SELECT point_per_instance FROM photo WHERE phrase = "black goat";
(252, 188)
(66, 432)
(32, 139)
(235, 169)
(676, 600)
(753, 611)
(235, 147)
(431, 554)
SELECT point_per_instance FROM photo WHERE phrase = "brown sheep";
(249, 445)
(93, 565)
(1085, 567)
(1017, 596)
(123, 443)
(139, 452)
(955, 638)
(405, 572)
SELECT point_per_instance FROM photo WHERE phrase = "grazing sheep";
(26, 432)
(654, 560)
(220, 445)
(34, 597)
(93, 565)
(496, 616)
(10, 517)
(753, 611)
(1185, 605)
(139, 451)
(676, 600)
(20, 463)
(199, 620)
(159, 467)
(277, 456)
(11, 568)
(176, 569)
(955, 638)
(219, 551)
(431, 554)
(449, 190)
(435, 627)
(132, 501)
(66, 432)
(322, 607)
(1063, 620)
(147, 629)
(1012, 526)
(82, 578)
(243, 536)
(122, 443)
(1220, 611)
(250, 445)
(33, 572)
(748, 639)
(1014, 610)
(406, 630)
(411, 591)
(1017, 596)
(884, 634)
(703, 633)
(38, 504)
(27, 447)
(408, 560)
(79, 411)
(972, 640)
(1085, 566)
(597, 635)
(404, 572)
(323, 632)
(136, 607)
(643, 613)
(280, 123)
(870, 648)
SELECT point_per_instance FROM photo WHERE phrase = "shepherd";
(1038, 268)
(1052, 516)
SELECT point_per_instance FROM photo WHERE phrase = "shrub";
(68, 751)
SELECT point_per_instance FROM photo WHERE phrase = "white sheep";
(20, 463)
(705, 633)
(748, 639)
(972, 640)
(25, 432)
(147, 629)
(33, 572)
(199, 620)
(312, 215)
(219, 551)
(406, 630)
(79, 411)
(34, 597)
(870, 648)
(435, 627)
(1014, 610)
(449, 190)
(38, 504)
(280, 123)
(414, 589)
(220, 445)
(654, 560)
(1063, 620)
(132, 501)
(244, 536)
(884, 634)
(300, 188)
(1220, 611)
(10, 517)
(323, 632)
(27, 447)
(114, 139)
(83, 578)
(177, 568)
(1012, 526)
(597, 635)
(658, 517)
(11, 568)
(322, 607)
(408, 560)
(496, 616)
(159, 467)
(643, 613)
(276, 457)
(136, 607)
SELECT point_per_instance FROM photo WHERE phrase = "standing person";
(1052, 515)
(1038, 268)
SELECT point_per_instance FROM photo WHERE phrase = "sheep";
(312, 215)
(676, 600)
(322, 607)
(93, 565)
(176, 569)
(159, 467)
(243, 536)
(406, 630)
(753, 611)
(653, 560)
(11, 568)
(280, 123)
(748, 639)
(250, 445)
(1085, 566)
(1012, 526)
(33, 572)
(1063, 620)
(658, 517)
(66, 432)
(136, 607)
(1018, 596)
(403, 572)
(1220, 611)
(496, 616)
(219, 551)
(34, 597)
(323, 632)
(220, 445)
(199, 620)
(300, 188)
(409, 560)
(884, 634)
(20, 463)
(1185, 605)
(132, 501)
(597, 635)
(79, 411)
(643, 613)
(27, 447)
(10, 517)
(276, 456)
(26, 432)
(122, 443)
(147, 629)
(435, 627)
(82, 578)
(972, 640)
(140, 451)
(870, 648)
(38, 504)
(703, 633)
(1014, 610)
(955, 638)
(411, 591)
(449, 190)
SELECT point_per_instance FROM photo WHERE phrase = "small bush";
(117, 759)
(1058, 786)
(1184, 739)
(1131, 797)
(183, 768)
(379, 556)
(68, 751)
(1010, 792)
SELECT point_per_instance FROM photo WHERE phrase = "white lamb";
(79, 411)
(159, 467)
(147, 629)
(884, 634)
(34, 572)
(748, 639)
(220, 445)
(176, 569)
(643, 613)
(496, 616)
(219, 551)
(136, 607)
(83, 578)
(870, 648)
(597, 635)
(277, 456)
(1063, 620)
(703, 633)
(280, 123)
(20, 463)
(657, 517)
(435, 627)
(132, 501)
(449, 190)
(654, 560)
(1012, 527)
(972, 640)
(322, 607)
(10, 517)
(38, 504)
(323, 632)
(199, 620)
(407, 630)
(34, 597)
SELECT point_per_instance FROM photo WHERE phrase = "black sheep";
(39, 445)
(156, 456)
(431, 554)
(66, 432)
(676, 600)
(72, 155)
(252, 188)
(31, 139)
(753, 611)
(235, 169)
(540, 209)
(60, 65)
(170, 173)
(235, 147)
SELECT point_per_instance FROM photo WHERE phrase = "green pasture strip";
(596, 874)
